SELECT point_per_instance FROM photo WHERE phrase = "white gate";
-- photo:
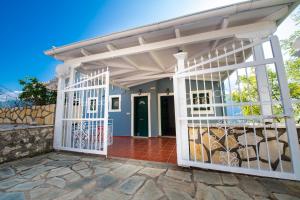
(84, 126)
(234, 112)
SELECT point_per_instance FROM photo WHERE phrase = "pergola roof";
(144, 54)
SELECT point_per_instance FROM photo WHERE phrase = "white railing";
(85, 123)
(222, 96)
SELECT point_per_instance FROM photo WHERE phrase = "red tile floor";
(152, 149)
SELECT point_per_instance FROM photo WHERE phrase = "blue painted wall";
(122, 120)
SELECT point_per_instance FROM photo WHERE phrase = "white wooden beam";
(223, 25)
(132, 74)
(178, 35)
(112, 48)
(200, 37)
(118, 85)
(113, 64)
(85, 52)
(136, 83)
(117, 65)
(118, 72)
(146, 77)
(152, 54)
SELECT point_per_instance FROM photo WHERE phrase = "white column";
(58, 128)
(106, 113)
(287, 106)
(70, 108)
(180, 102)
(262, 82)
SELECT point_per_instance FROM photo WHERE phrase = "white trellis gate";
(234, 112)
(84, 125)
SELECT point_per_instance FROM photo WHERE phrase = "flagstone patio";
(63, 176)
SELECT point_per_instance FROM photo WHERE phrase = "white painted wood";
(262, 80)
(252, 120)
(105, 132)
(178, 35)
(287, 106)
(211, 35)
(224, 24)
(120, 72)
(135, 83)
(145, 77)
(153, 55)
(280, 13)
(87, 53)
(159, 95)
(58, 128)
(85, 130)
(179, 87)
(110, 47)
(149, 112)
(231, 10)
(70, 102)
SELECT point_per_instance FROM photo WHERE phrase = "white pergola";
(208, 46)
(145, 54)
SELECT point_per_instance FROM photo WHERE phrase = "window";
(76, 100)
(202, 97)
(115, 103)
(92, 104)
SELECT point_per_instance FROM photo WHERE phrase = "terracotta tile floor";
(151, 149)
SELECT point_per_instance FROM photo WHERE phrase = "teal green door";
(141, 116)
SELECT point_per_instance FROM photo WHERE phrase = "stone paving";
(64, 176)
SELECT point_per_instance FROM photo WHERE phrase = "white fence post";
(179, 84)
(59, 113)
(262, 82)
(106, 112)
(287, 106)
(70, 108)
(61, 73)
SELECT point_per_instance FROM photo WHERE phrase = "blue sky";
(30, 27)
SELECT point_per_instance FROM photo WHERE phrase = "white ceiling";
(162, 62)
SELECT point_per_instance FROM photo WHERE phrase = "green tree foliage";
(288, 44)
(36, 92)
(247, 93)
(248, 85)
(248, 89)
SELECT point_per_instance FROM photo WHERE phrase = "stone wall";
(40, 115)
(242, 146)
(17, 143)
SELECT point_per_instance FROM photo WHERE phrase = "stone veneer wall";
(239, 150)
(40, 115)
(21, 142)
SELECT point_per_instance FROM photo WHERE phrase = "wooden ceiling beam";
(264, 27)
(153, 55)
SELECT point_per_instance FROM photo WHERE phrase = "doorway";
(166, 115)
(141, 118)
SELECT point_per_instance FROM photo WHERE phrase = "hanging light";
(168, 91)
